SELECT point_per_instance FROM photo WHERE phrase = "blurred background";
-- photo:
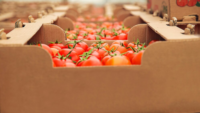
(96, 2)
(12, 10)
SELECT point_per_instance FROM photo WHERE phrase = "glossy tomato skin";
(130, 54)
(82, 45)
(58, 45)
(47, 48)
(55, 51)
(113, 53)
(192, 3)
(152, 42)
(182, 3)
(136, 60)
(70, 65)
(101, 53)
(120, 42)
(91, 37)
(59, 63)
(118, 61)
(119, 48)
(74, 56)
(122, 36)
(114, 38)
(68, 61)
(96, 54)
(92, 61)
(105, 59)
(79, 50)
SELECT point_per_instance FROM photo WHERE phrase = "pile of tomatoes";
(99, 18)
(78, 53)
(104, 31)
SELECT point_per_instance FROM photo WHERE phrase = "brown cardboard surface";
(162, 6)
(116, 10)
(64, 23)
(167, 81)
(73, 12)
(171, 32)
(50, 18)
(59, 14)
(20, 36)
(48, 32)
(171, 8)
(73, 18)
(132, 21)
(6, 16)
(147, 17)
(185, 23)
(180, 12)
(131, 7)
(122, 14)
(44, 20)
(61, 8)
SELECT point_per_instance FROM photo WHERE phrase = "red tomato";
(96, 54)
(79, 50)
(119, 48)
(47, 48)
(82, 45)
(114, 38)
(68, 61)
(56, 47)
(79, 37)
(120, 42)
(122, 36)
(152, 42)
(56, 44)
(91, 37)
(55, 51)
(74, 56)
(92, 61)
(108, 32)
(130, 54)
(118, 61)
(192, 3)
(70, 65)
(59, 63)
(101, 52)
(105, 59)
(182, 3)
(108, 38)
(131, 45)
(137, 58)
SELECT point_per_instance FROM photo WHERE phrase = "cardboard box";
(167, 80)
(175, 8)
(123, 11)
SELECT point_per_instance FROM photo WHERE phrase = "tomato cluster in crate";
(99, 18)
(103, 31)
(78, 53)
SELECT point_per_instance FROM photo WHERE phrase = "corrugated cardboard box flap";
(48, 32)
(171, 32)
(61, 8)
(20, 36)
(147, 17)
(6, 16)
(132, 21)
(131, 7)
